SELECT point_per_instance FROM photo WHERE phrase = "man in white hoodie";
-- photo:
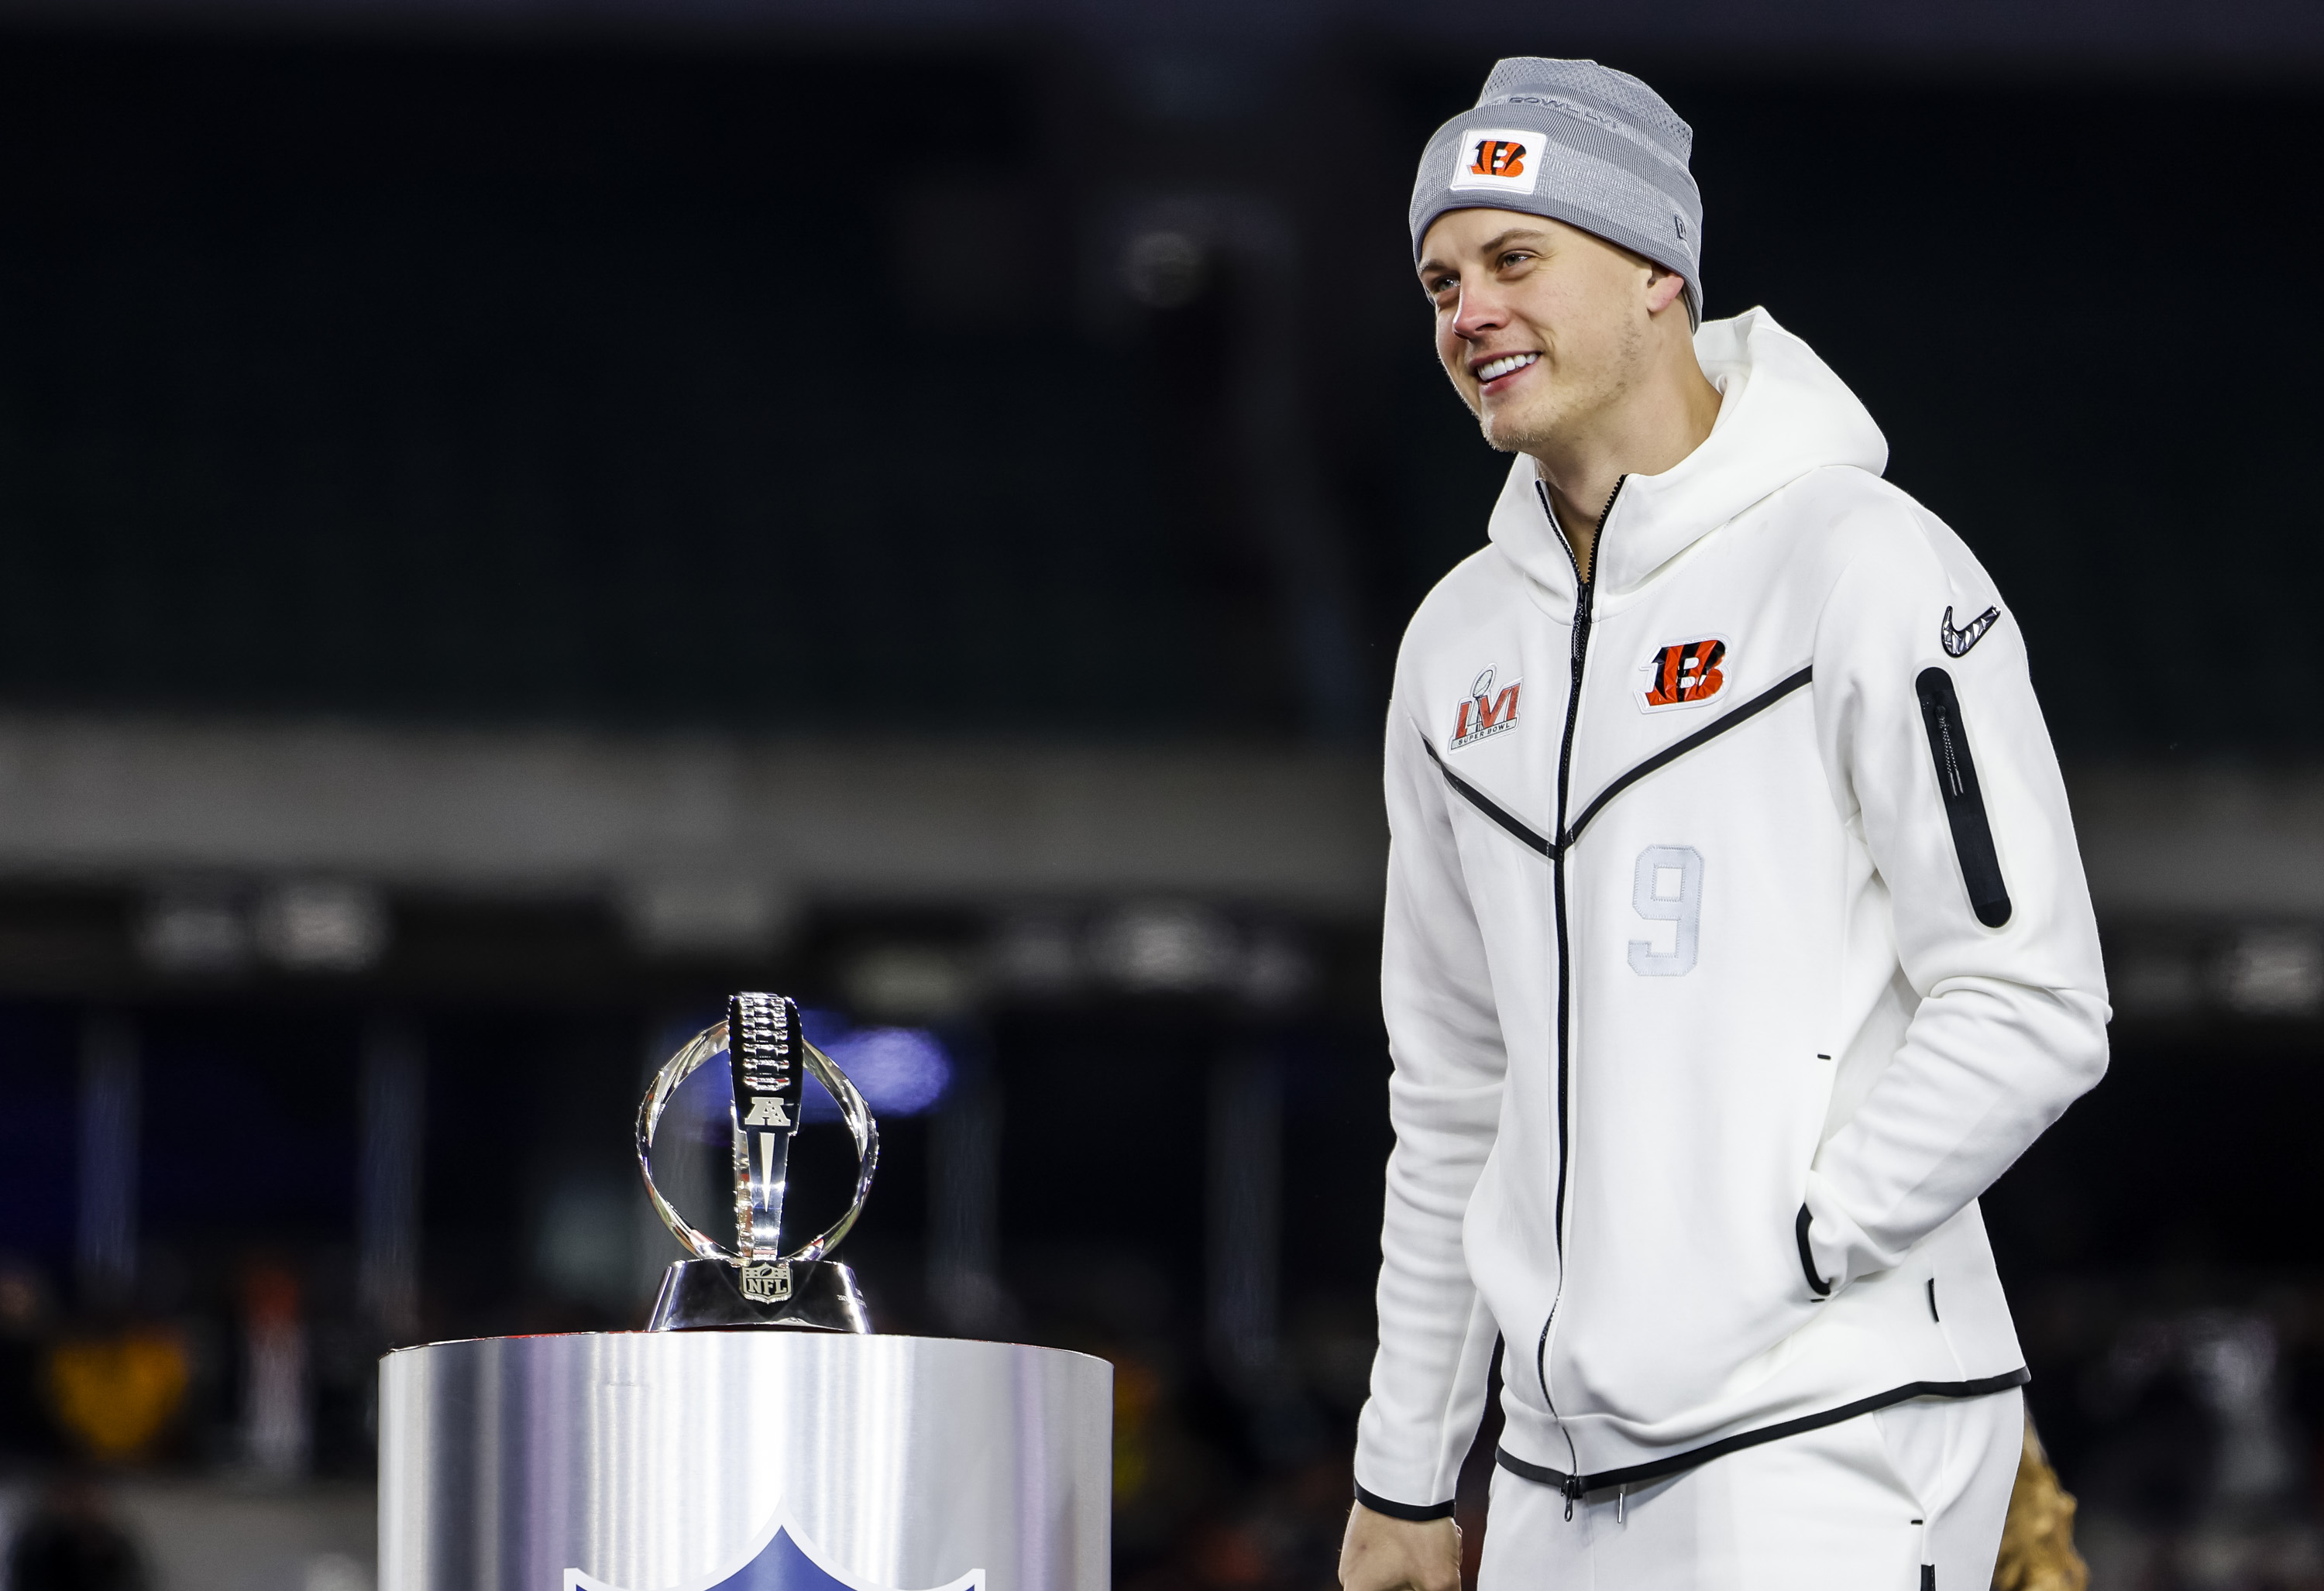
(1736, 936)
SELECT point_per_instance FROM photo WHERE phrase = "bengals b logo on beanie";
(1580, 143)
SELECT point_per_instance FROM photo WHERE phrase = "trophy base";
(705, 1295)
(663, 1459)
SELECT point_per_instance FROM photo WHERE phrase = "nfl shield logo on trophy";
(767, 1281)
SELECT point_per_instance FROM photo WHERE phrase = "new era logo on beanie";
(1580, 143)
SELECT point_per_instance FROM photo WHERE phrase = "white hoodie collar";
(1782, 413)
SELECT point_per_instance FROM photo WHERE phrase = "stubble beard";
(1577, 390)
(1530, 431)
(1535, 424)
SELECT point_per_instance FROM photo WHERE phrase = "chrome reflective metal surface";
(652, 1461)
(769, 1062)
(755, 1188)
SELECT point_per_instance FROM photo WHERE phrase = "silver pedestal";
(669, 1461)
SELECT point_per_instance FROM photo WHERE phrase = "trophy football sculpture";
(756, 1435)
(757, 1283)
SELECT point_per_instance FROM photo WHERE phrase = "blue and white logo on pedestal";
(779, 1558)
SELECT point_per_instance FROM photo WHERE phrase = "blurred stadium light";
(903, 1072)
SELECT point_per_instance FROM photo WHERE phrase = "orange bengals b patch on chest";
(1685, 675)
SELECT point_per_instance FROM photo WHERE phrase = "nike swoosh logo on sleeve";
(1957, 642)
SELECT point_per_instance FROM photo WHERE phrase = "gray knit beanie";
(1580, 143)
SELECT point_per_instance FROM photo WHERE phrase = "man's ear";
(1663, 289)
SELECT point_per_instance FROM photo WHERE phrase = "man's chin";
(1508, 433)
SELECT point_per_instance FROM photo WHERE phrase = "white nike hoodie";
(1735, 941)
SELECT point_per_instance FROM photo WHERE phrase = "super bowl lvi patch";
(1484, 712)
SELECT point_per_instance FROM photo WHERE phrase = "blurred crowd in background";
(516, 522)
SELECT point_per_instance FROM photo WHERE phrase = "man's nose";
(1480, 311)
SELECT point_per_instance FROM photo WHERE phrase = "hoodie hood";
(1782, 413)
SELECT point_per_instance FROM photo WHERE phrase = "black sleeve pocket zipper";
(1988, 898)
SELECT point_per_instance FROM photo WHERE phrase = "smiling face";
(1544, 328)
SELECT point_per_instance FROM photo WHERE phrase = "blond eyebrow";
(1492, 244)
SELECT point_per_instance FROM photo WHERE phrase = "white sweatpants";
(1897, 1500)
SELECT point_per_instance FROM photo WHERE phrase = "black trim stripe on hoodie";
(1477, 798)
(1582, 1485)
(1678, 749)
(1417, 1512)
(1532, 841)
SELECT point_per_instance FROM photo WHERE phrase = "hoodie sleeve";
(1444, 1100)
(1930, 730)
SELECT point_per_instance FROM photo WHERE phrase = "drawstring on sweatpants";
(1572, 1490)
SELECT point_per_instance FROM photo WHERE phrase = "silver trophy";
(759, 1283)
(681, 1458)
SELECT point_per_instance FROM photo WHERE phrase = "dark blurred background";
(516, 520)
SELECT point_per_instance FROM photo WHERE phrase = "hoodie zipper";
(1584, 592)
